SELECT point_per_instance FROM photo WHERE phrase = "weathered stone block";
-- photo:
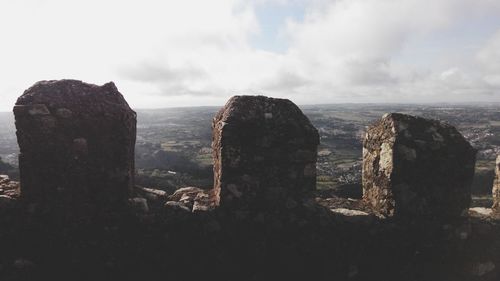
(496, 187)
(264, 153)
(76, 144)
(416, 167)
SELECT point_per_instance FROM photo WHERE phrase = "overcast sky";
(199, 52)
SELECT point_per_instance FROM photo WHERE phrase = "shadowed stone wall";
(416, 167)
(76, 144)
(264, 153)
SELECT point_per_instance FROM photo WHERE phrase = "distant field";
(185, 134)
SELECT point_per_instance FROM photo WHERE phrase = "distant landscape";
(173, 147)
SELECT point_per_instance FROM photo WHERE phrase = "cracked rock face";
(76, 143)
(416, 167)
(264, 153)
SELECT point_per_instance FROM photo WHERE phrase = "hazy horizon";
(164, 54)
(432, 104)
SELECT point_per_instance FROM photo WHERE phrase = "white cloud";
(352, 46)
(489, 61)
(489, 55)
(197, 52)
(148, 47)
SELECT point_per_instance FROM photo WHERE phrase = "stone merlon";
(416, 167)
(76, 144)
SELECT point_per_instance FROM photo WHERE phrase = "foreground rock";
(76, 144)
(9, 188)
(416, 167)
(193, 199)
(496, 187)
(264, 153)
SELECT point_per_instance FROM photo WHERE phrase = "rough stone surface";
(151, 193)
(189, 192)
(264, 153)
(6, 201)
(175, 205)
(9, 189)
(76, 144)
(139, 204)
(481, 211)
(416, 167)
(204, 201)
(496, 187)
(193, 198)
(480, 269)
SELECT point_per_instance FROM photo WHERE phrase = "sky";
(163, 53)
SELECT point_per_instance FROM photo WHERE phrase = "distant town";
(173, 147)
